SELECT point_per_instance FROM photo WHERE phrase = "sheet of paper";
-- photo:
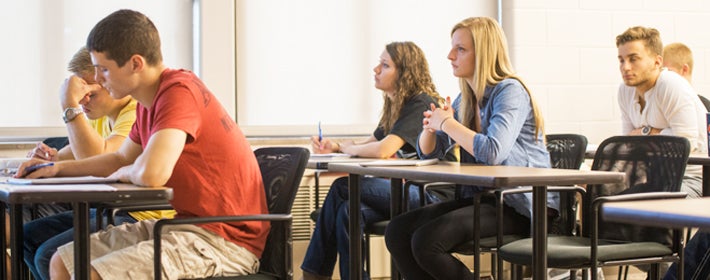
(54, 188)
(331, 155)
(60, 180)
(400, 162)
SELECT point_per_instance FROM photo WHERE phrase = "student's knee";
(339, 187)
(57, 269)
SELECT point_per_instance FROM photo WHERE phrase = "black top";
(409, 124)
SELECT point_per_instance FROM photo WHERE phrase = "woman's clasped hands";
(435, 118)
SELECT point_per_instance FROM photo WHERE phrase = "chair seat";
(486, 244)
(572, 251)
(377, 228)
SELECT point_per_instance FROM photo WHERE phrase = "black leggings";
(420, 241)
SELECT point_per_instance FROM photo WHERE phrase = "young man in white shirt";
(654, 100)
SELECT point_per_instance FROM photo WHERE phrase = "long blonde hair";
(492, 65)
(413, 78)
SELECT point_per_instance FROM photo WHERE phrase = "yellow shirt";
(122, 126)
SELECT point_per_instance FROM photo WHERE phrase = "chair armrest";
(600, 201)
(500, 193)
(424, 186)
(157, 230)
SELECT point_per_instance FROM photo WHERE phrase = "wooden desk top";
(483, 175)
(672, 213)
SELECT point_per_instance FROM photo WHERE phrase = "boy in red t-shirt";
(184, 139)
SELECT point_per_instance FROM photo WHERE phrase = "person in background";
(96, 124)
(654, 100)
(496, 121)
(678, 58)
(178, 140)
(407, 89)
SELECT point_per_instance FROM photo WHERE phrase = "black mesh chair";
(281, 170)
(566, 152)
(654, 167)
(56, 142)
(705, 101)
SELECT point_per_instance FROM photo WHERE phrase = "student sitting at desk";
(496, 121)
(182, 138)
(654, 100)
(96, 124)
(403, 76)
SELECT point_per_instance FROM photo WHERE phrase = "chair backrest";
(705, 102)
(653, 163)
(281, 171)
(56, 142)
(566, 152)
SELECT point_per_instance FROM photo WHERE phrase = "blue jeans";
(696, 260)
(43, 236)
(330, 236)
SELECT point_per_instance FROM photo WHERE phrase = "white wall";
(565, 50)
(301, 62)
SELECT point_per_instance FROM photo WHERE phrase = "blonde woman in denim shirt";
(496, 121)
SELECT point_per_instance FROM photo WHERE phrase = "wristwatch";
(71, 113)
(646, 130)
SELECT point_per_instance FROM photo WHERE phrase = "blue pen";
(320, 133)
(30, 169)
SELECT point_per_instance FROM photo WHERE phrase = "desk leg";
(539, 222)
(81, 240)
(706, 180)
(398, 196)
(16, 242)
(354, 227)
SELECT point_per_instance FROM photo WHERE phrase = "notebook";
(61, 180)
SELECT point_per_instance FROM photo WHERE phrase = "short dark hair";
(123, 34)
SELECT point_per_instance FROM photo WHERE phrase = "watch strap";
(71, 113)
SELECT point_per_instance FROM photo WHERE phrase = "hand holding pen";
(35, 168)
(321, 145)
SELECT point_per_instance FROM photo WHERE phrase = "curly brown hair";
(413, 78)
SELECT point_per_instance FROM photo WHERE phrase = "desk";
(320, 164)
(479, 175)
(667, 213)
(80, 203)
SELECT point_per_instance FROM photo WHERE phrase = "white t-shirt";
(671, 105)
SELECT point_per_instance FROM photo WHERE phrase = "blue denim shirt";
(507, 138)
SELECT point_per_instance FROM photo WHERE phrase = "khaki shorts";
(188, 251)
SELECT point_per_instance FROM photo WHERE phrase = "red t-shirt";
(217, 173)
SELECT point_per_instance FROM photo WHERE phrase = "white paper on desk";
(330, 155)
(60, 180)
(400, 162)
(54, 188)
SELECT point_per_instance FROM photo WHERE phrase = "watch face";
(70, 114)
(646, 130)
